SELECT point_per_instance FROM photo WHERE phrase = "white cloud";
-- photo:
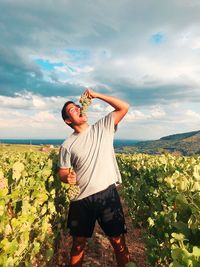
(13, 102)
(193, 115)
(135, 115)
(154, 112)
(43, 119)
(106, 45)
(38, 102)
(28, 100)
(19, 119)
(157, 112)
(35, 124)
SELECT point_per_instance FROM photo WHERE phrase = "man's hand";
(67, 176)
(90, 93)
(71, 177)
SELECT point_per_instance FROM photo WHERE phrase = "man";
(89, 151)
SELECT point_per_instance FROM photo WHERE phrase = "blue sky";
(145, 52)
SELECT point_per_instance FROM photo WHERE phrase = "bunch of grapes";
(85, 102)
(74, 190)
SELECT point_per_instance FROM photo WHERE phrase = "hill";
(179, 136)
(184, 144)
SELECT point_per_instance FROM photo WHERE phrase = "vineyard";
(162, 193)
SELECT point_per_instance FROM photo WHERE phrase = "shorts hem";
(116, 234)
(78, 235)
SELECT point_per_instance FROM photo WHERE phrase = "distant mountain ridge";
(184, 144)
(179, 136)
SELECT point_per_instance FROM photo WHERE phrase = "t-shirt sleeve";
(108, 123)
(64, 158)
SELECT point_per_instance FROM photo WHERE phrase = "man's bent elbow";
(126, 108)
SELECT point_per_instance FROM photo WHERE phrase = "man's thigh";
(111, 218)
(81, 220)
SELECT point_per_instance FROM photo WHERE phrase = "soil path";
(99, 252)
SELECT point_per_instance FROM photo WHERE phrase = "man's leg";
(121, 250)
(77, 251)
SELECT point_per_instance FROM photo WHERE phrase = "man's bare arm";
(121, 107)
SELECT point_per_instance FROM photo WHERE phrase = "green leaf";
(9, 246)
(196, 172)
(2, 210)
(15, 223)
(182, 227)
(196, 251)
(49, 254)
(36, 247)
(17, 169)
(179, 237)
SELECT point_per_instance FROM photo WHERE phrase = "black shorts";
(104, 206)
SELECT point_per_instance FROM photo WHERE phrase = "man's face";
(74, 114)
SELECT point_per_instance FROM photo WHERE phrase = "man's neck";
(81, 128)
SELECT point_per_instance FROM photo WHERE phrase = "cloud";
(32, 124)
(145, 52)
(135, 115)
(152, 113)
(193, 115)
(28, 101)
(157, 112)
(41, 118)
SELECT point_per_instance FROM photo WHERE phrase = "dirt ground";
(99, 252)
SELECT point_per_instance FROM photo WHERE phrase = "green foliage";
(163, 194)
(33, 207)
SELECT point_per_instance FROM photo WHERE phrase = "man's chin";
(83, 118)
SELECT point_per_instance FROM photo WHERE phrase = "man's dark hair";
(64, 112)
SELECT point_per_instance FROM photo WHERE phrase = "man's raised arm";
(121, 107)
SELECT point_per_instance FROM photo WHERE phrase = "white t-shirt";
(91, 155)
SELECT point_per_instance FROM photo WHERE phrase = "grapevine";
(162, 192)
(85, 102)
(31, 207)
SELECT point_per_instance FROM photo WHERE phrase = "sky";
(144, 52)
